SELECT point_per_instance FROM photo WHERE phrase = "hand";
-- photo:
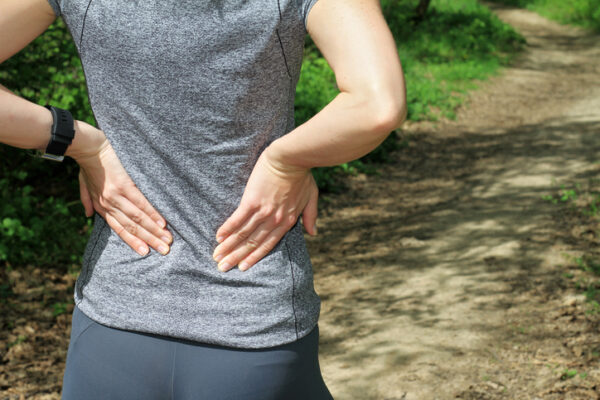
(106, 187)
(273, 199)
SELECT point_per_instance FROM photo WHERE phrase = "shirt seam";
(85, 278)
(83, 22)
(293, 289)
(287, 68)
(83, 331)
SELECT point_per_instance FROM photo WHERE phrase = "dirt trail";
(441, 278)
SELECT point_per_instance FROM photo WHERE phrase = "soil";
(445, 277)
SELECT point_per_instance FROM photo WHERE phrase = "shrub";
(459, 41)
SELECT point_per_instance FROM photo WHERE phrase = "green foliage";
(316, 87)
(38, 225)
(458, 43)
(568, 374)
(20, 339)
(589, 283)
(60, 308)
(584, 13)
(41, 219)
(48, 71)
(5, 291)
(590, 204)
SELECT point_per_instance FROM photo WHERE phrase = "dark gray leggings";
(109, 364)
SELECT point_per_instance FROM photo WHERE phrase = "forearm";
(349, 127)
(23, 124)
(27, 125)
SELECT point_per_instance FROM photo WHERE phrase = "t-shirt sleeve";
(55, 6)
(306, 5)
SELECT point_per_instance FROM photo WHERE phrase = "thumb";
(85, 196)
(309, 214)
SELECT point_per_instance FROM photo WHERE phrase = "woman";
(197, 157)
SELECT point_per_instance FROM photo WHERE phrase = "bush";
(459, 41)
(41, 218)
(37, 224)
(584, 13)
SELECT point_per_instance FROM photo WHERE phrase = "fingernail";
(160, 223)
(315, 229)
(142, 250)
(243, 266)
(224, 266)
(166, 240)
(219, 257)
(163, 249)
(220, 239)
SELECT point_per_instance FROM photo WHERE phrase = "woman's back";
(189, 94)
(196, 101)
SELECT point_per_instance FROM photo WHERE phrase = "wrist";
(88, 141)
(280, 162)
(44, 121)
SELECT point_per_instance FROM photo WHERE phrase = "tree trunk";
(422, 9)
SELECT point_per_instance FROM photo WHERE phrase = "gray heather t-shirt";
(189, 93)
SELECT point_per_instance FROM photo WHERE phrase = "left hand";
(274, 197)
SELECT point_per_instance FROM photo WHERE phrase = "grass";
(457, 45)
(585, 13)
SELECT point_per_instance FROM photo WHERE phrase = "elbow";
(388, 115)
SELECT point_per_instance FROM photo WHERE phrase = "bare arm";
(22, 124)
(27, 125)
(356, 41)
(104, 184)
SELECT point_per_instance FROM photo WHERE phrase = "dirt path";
(442, 278)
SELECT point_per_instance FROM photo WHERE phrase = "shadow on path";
(418, 267)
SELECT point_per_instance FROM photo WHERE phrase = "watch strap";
(63, 133)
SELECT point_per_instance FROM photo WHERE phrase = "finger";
(241, 235)
(237, 219)
(135, 196)
(86, 200)
(246, 247)
(135, 243)
(264, 248)
(138, 231)
(310, 212)
(139, 217)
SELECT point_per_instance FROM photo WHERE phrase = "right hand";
(106, 187)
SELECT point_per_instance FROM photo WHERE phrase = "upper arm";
(356, 41)
(21, 21)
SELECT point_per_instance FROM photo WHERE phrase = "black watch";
(63, 132)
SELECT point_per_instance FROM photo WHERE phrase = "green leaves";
(38, 224)
(457, 43)
(36, 229)
(48, 71)
(60, 308)
(585, 13)
(41, 219)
